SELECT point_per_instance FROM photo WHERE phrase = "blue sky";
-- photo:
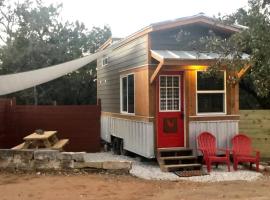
(125, 16)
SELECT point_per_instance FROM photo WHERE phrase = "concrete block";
(67, 164)
(81, 165)
(6, 153)
(26, 154)
(46, 164)
(19, 163)
(7, 163)
(46, 154)
(117, 165)
(78, 156)
(65, 156)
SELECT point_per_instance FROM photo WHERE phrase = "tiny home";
(154, 94)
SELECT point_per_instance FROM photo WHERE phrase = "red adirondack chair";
(207, 145)
(242, 151)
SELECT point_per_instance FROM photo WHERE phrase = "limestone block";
(26, 154)
(78, 156)
(6, 153)
(65, 156)
(81, 165)
(46, 154)
(67, 164)
(46, 164)
(117, 165)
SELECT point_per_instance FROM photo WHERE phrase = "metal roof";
(190, 55)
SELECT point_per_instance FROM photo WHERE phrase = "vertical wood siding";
(256, 124)
(130, 55)
(166, 40)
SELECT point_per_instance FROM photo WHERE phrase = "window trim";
(104, 58)
(121, 95)
(224, 92)
(180, 96)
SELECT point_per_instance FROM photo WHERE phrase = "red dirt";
(112, 187)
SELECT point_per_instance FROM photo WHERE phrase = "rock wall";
(54, 160)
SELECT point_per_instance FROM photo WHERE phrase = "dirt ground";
(123, 187)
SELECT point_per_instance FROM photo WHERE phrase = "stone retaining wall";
(54, 160)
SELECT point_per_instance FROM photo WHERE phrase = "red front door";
(170, 110)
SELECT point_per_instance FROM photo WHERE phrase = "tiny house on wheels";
(155, 98)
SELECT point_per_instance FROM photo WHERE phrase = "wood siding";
(166, 39)
(79, 124)
(256, 124)
(131, 55)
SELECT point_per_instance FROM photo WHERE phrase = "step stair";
(177, 159)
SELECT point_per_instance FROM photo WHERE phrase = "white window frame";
(121, 89)
(103, 63)
(180, 97)
(224, 92)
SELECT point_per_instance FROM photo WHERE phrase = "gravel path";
(150, 170)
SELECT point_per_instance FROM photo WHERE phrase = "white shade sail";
(24, 80)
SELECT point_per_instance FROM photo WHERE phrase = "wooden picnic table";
(46, 140)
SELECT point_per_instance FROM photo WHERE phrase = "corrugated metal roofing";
(190, 55)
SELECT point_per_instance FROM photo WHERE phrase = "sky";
(126, 17)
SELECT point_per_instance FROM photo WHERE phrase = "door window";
(169, 93)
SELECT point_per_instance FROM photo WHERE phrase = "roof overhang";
(183, 57)
(188, 60)
(170, 24)
(196, 19)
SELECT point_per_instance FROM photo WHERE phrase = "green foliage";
(255, 39)
(33, 37)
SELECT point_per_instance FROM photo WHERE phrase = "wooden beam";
(205, 62)
(243, 71)
(157, 56)
(185, 67)
(156, 72)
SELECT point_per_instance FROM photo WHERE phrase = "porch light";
(199, 67)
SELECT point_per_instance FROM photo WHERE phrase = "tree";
(254, 39)
(34, 37)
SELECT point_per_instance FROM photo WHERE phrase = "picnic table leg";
(55, 139)
(47, 143)
(26, 145)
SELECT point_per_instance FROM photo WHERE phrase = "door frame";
(183, 76)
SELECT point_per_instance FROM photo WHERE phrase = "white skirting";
(138, 136)
(223, 130)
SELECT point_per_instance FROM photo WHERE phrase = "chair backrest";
(241, 145)
(207, 141)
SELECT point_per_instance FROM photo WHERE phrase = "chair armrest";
(257, 153)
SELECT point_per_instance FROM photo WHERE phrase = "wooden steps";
(177, 159)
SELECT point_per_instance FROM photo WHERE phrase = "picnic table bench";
(46, 140)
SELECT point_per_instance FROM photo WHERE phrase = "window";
(105, 61)
(127, 94)
(211, 93)
(169, 93)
